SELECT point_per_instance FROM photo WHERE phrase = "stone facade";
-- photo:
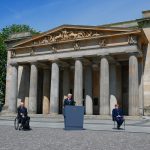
(100, 66)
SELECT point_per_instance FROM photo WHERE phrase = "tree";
(4, 34)
(3, 58)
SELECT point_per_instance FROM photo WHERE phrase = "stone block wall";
(147, 75)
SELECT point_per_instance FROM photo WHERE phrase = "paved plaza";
(59, 139)
(99, 134)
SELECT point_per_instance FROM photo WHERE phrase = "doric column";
(21, 84)
(54, 91)
(46, 90)
(104, 86)
(33, 88)
(78, 82)
(8, 82)
(14, 88)
(66, 81)
(113, 86)
(27, 85)
(88, 90)
(133, 86)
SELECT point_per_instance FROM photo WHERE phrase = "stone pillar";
(33, 88)
(46, 89)
(27, 85)
(14, 89)
(133, 86)
(8, 82)
(104, 87)
(66, 82)
(113, 86)
(21, 86)
(88, 91)
(78, 83)
(54, 91)
(141, 91)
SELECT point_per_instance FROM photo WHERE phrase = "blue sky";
(43, 15)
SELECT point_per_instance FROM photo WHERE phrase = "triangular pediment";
(66, 33)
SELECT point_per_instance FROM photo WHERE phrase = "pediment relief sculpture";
(132, 40)
(102, 43)
(67, 35)
(76, 46)
(32, 52)
(53, 48)
(73, 35)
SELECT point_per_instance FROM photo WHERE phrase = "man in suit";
(117, 115)
(69, 100)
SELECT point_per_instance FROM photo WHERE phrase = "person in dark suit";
(22, 114)
(69, 100)
(117, 115)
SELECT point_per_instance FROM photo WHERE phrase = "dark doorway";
(125, 87)
(40, 91)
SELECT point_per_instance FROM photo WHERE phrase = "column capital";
(113, 61)
(55, 59)
(14, 63)
(57, 62)
(131, 57)
(105, 58)
(78, 58)
(63, 64)
(105, 54)
(33, 62)
(100, 57)
(136, 54)
(87, 62)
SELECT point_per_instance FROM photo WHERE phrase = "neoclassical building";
(99, 65)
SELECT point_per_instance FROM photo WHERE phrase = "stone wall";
(147, 75)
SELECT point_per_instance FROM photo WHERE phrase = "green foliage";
(16, 29)
(3, 58)
(4, 34)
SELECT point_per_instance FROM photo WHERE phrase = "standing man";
(69, 100)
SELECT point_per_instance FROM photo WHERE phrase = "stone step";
(11, 116)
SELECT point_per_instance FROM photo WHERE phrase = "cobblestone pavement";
(59, 139)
